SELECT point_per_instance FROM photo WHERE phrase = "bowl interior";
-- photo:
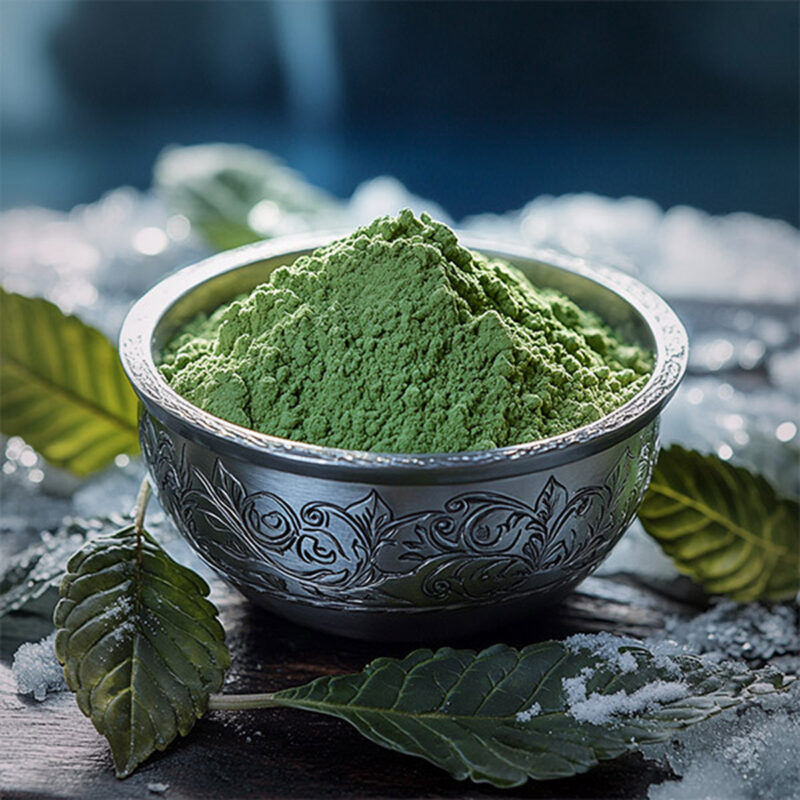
(620, 300)
(587, 293)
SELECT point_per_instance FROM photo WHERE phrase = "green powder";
(397, 339)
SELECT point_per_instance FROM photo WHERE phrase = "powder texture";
(397, 339)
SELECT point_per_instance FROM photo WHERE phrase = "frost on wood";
(37, 670)
(730, 630)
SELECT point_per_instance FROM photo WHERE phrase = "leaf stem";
(241, 702)
(141, 504)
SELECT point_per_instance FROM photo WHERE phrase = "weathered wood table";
(50, 750)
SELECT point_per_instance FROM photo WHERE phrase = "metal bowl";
(387, 545)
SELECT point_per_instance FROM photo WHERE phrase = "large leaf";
(547, 711)
(141, 646)
(724, 526)
(63, 388)
(219, 187)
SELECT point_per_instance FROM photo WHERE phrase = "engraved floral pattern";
(169, 471)
(478, 546)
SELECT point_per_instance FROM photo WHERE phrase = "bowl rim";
(222, 436)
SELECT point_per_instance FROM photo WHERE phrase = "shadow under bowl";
(387, 546)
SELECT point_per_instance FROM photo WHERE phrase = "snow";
(606, 646)
(529, 713)
(729, 630)
(682, 252)
(597, 708)
(36, 667)
(711, 780)
(749, 754)
(614, 651)
(37, 670)
(742, 754)
(386, 195)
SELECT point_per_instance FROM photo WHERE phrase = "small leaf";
(724, 526)
(219, 187)
(371, 511)
(64, 390)
(141, 646)
(547, 711)
(551, 502)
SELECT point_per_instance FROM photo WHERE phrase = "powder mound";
(397, 339)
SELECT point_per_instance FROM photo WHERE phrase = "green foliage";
(143, 651)
(503, 715)
(141, 646)
(63, 388)
(217, 186)
(724, 526)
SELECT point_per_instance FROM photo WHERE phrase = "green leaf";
(724, 526)
(141, 646)
(547, 711)
(64, 390)
(217, 186)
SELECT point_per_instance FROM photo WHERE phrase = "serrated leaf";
(30, 579)
(140, 644)
(724, 526)
(217, 186)
(64, 390)
(502, 716)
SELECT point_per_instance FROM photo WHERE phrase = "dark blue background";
(480, 106)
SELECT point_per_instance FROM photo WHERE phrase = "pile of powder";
(397, 339)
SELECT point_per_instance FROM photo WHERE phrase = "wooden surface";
(50, 749)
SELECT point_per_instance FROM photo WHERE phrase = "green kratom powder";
(397, 339)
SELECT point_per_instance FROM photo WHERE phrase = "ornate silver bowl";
(398, 546)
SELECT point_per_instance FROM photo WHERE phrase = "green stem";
(138, 528)
(241, 702)
(141, 504)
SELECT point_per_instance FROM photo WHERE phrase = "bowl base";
(404, 624)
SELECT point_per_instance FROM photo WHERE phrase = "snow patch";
(37, 670)
(600, 709)
(729, 630)
(529, 713)
(748, 754)
(607, 647)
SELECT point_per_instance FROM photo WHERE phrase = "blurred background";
(479, 106)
